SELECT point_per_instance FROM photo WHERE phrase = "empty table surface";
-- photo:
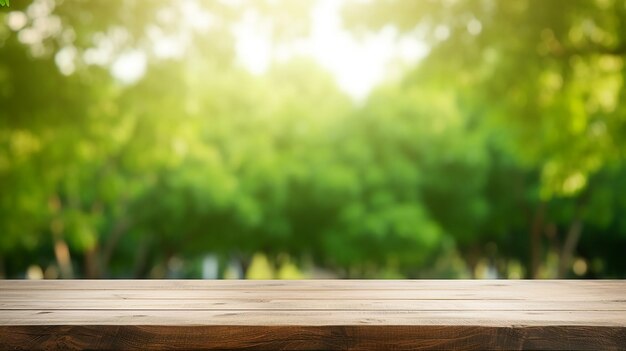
(313, 314)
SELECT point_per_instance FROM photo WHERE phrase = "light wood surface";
(312, 315)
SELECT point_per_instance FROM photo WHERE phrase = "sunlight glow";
(357, 65)
(129, 67)
(253, 45)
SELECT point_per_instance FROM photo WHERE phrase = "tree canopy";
(499, 154)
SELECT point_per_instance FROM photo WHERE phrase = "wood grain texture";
(217, 304)
(94, 337)
(283, 285)
(313, 315)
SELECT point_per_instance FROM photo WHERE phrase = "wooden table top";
(313, 314)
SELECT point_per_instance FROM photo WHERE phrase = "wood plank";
(352, 284)
(56, 303)
(400, 338)
(560, 294)
(314, 318)
(309, 315)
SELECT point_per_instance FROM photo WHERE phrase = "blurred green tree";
(503, 145)
(545, 78)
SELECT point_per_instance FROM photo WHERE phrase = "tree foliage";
(501, 149)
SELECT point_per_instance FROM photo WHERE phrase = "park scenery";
(285, 139)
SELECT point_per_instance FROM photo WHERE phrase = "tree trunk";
(535, 240)
(120, 227)
(571, 242)
(62, 255)
(92, 268)
(141, 267)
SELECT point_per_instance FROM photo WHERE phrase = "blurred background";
(312, 139)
